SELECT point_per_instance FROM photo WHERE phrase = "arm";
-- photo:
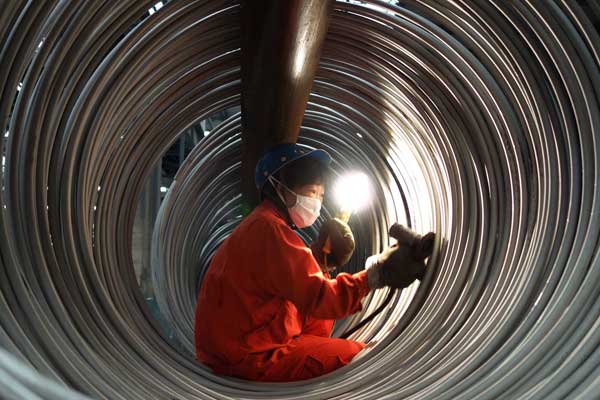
(291, 272)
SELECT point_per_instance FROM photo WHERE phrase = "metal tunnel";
(479, 120)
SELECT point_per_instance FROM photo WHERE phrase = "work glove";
(402, 263)
(422, 246)
(334, 246)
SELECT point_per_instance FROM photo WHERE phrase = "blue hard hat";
(283, 154)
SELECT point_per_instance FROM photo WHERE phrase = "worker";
(267, 304)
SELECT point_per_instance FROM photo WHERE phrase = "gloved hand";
(401, 264)
(422, 246)
(340, 247)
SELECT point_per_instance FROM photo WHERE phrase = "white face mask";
(305, 211)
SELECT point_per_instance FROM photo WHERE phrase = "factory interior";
(131, 130)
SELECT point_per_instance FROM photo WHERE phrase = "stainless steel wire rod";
(478, 120)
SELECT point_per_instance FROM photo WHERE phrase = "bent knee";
(312, 357)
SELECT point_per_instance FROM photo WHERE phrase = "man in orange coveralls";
(266, 308)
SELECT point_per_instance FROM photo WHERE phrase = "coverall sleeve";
(291, 272)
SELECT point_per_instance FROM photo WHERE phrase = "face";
(316, 191)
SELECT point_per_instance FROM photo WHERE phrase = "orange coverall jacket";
(265, 310)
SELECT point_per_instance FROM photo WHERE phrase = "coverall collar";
(270, 206)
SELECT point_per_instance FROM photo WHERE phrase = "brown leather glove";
(422, 246)
(401, 264)
(335, 245)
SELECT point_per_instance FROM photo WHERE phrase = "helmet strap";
(279, 201)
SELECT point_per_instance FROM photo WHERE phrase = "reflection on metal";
(478, 120)
(281, 45)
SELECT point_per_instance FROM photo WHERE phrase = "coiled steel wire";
(475, 119)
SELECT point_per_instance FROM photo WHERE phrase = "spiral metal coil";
(478, 120)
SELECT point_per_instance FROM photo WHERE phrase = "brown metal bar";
(281, 46)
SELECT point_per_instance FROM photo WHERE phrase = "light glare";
(353, 191)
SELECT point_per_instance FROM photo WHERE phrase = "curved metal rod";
(476, 120)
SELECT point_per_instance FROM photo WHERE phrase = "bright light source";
(359, 135)
(99, 188)
(353, 192)
(151, 10)
(206, 133)
(6, 134)
(163, 189)
(19, 86)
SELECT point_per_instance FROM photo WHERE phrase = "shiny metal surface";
(478, 120)
(281, 46)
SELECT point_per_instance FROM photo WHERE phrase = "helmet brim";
(320, 155)
(283, 156)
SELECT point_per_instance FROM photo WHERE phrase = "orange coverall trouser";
(313, 354)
